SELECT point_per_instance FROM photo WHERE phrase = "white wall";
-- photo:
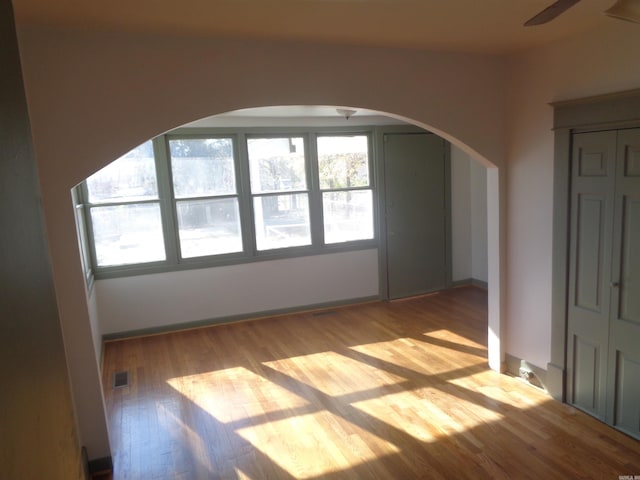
(38, 434)
(168, 299)
(94, 96)
(461, 256)
(153, 301)
(94, 320)
(478, 220)
(598, 62)
(468, 218)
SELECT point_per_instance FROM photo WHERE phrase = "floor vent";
(121, 379)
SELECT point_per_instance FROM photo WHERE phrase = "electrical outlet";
(526, 374)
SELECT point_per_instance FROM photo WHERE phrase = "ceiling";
(304, 115)
(481, 26)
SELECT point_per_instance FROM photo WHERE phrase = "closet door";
(592, 207)
(623, 390)
(415, 177)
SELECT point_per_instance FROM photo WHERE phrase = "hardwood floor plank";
(382, 390)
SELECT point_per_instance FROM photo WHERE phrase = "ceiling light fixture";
(346, 112)
(628, 10)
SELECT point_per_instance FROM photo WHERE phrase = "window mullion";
(165, 196)
(80, 214)
(315, 195)
(244, 196)
(206, 197)
(124, 202)
(373, 183)
(347, 189)
(91, 236)
(83, 198)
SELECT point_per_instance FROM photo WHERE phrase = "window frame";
(173, 225)
(249, 253)
(85, 242)
(270, 252)
(82, 201)
(370, 187)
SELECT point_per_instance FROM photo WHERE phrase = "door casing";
(606, 112)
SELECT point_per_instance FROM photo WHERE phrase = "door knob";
(614, 284)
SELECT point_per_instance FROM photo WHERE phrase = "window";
(347, 197)
(279, 189)
(219, 197)
(83, 239)
(206, 197)
(124, 209)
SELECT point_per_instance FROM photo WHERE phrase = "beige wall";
(38, 435)
(468, 218)
(598, 62)
(94, 96)
(166, 299)
(478, 207)
(461, 253)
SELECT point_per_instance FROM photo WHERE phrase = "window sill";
(229, 260)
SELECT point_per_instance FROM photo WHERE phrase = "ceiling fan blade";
(551, 12)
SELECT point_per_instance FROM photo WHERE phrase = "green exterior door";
(416, 205)
(603, 349)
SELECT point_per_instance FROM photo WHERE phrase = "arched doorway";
(89, 103)
(267, 121)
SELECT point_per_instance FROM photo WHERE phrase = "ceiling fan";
(623, 9)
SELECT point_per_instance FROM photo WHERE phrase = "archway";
(138, 281)
(326, 117)
(95, 95)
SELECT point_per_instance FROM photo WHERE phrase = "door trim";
(605, 112)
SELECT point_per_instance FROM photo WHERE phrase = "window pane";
(209, 227)
(348, 216)
(202, 167)
(126, 234)
(277, 164)
(282, 221)
(343, 162)
(132, 177)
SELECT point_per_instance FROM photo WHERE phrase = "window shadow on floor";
(392, 391)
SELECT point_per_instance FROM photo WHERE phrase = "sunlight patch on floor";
(251, 395)
(306, 445)
(332, 373)
(427, 414)
(503, 388)
(412, 359)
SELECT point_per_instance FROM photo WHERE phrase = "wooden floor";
(386, 390)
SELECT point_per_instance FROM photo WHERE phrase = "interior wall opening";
(126, 305)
